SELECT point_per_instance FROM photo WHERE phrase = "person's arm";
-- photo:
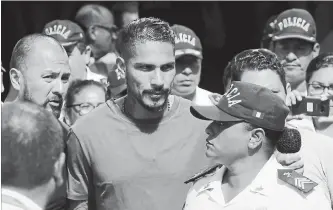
(79, 176)
(323, 146)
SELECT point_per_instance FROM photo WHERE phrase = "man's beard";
(27, 96)
(150, 108)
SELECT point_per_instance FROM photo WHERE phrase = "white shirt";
(96, 77)
(316, 152)
(305, 123)
(201, 97)
(12, 200)
(266, 192)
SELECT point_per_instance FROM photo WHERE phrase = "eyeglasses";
(318, 89)
(83, 108)
(112, 29)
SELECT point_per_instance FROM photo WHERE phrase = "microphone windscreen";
(290, 141)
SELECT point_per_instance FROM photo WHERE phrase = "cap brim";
(293, 36)
(212, 113)
(116, 90)
(67, 44)
(196, 53)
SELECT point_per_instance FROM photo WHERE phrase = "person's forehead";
(90, 94)
(266, 78)
(323, 74)
(153, 52)
(51, 58)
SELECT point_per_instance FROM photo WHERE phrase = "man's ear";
(58, 170)
(16, 78)
(121, 64)
(91, 33)
(315, 50)
(227, 86)
(87, 54)
(257, 136)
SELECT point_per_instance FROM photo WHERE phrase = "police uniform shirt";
(266, 192)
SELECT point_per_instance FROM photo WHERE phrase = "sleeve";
(325, 145)
(79, 171)
(322, 146)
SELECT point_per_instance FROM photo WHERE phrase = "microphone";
(289, 142)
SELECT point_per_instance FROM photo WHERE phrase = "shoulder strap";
(203, 173)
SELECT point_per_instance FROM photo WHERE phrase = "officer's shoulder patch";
(203, 173)
(296, 180)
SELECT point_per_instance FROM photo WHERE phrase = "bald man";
(39, 72)
(98, 23)
(32, 156)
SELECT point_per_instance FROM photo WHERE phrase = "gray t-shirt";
(118, 164)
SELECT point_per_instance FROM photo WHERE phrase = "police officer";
(248, 121)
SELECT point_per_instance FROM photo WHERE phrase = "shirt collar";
(261, 184)
(21, 198)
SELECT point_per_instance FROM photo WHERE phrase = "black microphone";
(289, 142)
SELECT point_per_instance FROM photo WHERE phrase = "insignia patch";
(203, 173)
(298, 181)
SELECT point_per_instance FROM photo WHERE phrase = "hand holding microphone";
(289, 145)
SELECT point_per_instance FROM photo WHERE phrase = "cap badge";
(58, 29)
(185, 38)
(294, 22)
(231, 94)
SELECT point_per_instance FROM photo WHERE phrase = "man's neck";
(300, 87)
(96, 53)
(240, 174)
(12, 94)
(191, 96)
(136, 111)
(38, 195)
(186, 96)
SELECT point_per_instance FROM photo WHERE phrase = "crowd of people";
(106, 112)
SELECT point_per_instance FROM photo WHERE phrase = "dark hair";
(142, 30)
(121, 7)
(321, 61)
(32, 141)
(253, 60)
(24, 46)
(76, 86)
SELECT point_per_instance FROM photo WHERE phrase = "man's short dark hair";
(142, 30)
(321, 61)
(23, 48)
(253, 60)
(32, 141)
(76, 86)
(121, 7)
